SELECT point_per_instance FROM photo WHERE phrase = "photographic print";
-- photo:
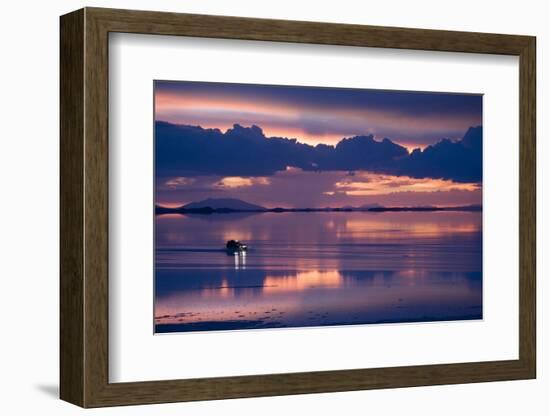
(297, 206)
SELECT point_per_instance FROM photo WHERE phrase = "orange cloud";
(175, 183)
(240, 182)
(367, 184)
(285, 120)
(165, 101)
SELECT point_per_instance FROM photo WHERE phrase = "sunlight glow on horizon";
(373, 186)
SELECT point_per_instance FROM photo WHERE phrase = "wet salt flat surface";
(316, 269)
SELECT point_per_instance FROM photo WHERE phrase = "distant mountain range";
(229, 205)
(224, 203)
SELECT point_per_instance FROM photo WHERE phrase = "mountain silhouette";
(224, 203)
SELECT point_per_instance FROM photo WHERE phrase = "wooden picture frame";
(84, 207)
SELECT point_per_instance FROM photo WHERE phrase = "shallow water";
(316, 269)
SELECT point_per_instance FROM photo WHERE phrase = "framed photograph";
(256, 207)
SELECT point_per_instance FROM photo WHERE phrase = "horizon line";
(373, 206)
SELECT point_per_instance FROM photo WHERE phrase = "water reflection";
(257, 299)
(317, 269)
(300, 281)
(240, 260)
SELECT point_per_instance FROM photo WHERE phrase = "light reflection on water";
(314, 269)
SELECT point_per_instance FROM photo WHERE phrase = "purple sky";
(317, 116)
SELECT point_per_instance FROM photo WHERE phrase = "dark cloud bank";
(182, 150)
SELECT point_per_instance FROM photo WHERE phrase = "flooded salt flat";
(316, 269)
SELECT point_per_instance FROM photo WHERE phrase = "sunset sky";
(314, 116)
